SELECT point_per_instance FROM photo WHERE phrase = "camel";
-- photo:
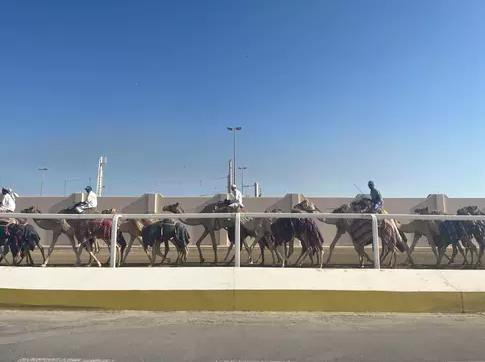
(274, 231)
(134, 228)
(101, 229)
(164, 231)
(428, 228)
(360, 231)
(73, 229)
(210, 225)
(474, 228)
(21, 241)
(358, 206)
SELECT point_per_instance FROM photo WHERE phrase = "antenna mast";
(99, 187)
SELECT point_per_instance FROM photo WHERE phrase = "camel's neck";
(45, 224)
(191, 222)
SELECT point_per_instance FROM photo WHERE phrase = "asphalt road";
(343, 257)
(31, 336)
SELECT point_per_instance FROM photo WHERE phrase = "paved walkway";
(208, 337)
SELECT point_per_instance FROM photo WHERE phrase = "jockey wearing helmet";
(376, 197)
(7, 200)
(91, 201)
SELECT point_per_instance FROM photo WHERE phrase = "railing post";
(375, 242)
(114, 235)
(237, 240)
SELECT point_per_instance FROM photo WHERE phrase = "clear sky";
(328, 92)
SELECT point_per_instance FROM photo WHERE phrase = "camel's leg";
(128, 247)
(473, 248)
(246, 247)
(462, 252)
(408, 252)
(305, 249)
(229, 249)
(41, 249)
(290, 249)
(359, 248)
(279, 252)
(154, 252)
(413, 245)
(320, 253)
(53, 244)
(202, 237)
(338, 235)
(31, 259)
(90, 251)
(256, 241)
(3, 254)
(145, 249)
(214, 246)
(455, 252)
(167, 248)
(261, 256)
(481, 245)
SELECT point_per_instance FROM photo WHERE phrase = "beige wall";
(155, 202)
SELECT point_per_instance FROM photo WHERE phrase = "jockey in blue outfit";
(376, 197)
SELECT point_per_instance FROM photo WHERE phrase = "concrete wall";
(244, 289)
(154, 203)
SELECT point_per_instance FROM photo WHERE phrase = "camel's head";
(31, 210)
(422, 210)
(470, 210)
(174, 208)
(306, 206)
(361, 205)
(344, 209)
(273, 211)
(111, 210)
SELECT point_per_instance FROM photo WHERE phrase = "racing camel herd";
(20, 238)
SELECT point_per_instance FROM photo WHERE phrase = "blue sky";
(329, 93)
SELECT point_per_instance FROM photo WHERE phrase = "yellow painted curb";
(161, 300)
(348, 301)
(246, 300)
(473, 302)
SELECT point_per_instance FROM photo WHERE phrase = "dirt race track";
(343, 257)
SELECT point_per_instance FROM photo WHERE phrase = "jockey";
(91, 201)
(7, 204)
(376, 197)
(237, 200)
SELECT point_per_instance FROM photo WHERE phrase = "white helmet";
(233, 186)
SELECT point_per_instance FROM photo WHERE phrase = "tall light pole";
(233, 130)
(42, 169)
(242, 178)
(68, 180)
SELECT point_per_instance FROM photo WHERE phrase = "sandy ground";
(31, 336)
(343, 257)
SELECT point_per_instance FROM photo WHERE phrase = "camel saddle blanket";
(100, 228)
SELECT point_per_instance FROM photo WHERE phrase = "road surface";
(343, 257)
(33, 336)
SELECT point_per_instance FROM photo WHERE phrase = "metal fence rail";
(237, 217)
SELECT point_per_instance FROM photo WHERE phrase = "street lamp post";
(68, 180)
(234, 129)
(242, 178)
(42, 169)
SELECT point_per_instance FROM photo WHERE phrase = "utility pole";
(229, 177)
(242, 178)
(42, 169)
(234, 129)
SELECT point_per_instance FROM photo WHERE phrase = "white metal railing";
(237, 216)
